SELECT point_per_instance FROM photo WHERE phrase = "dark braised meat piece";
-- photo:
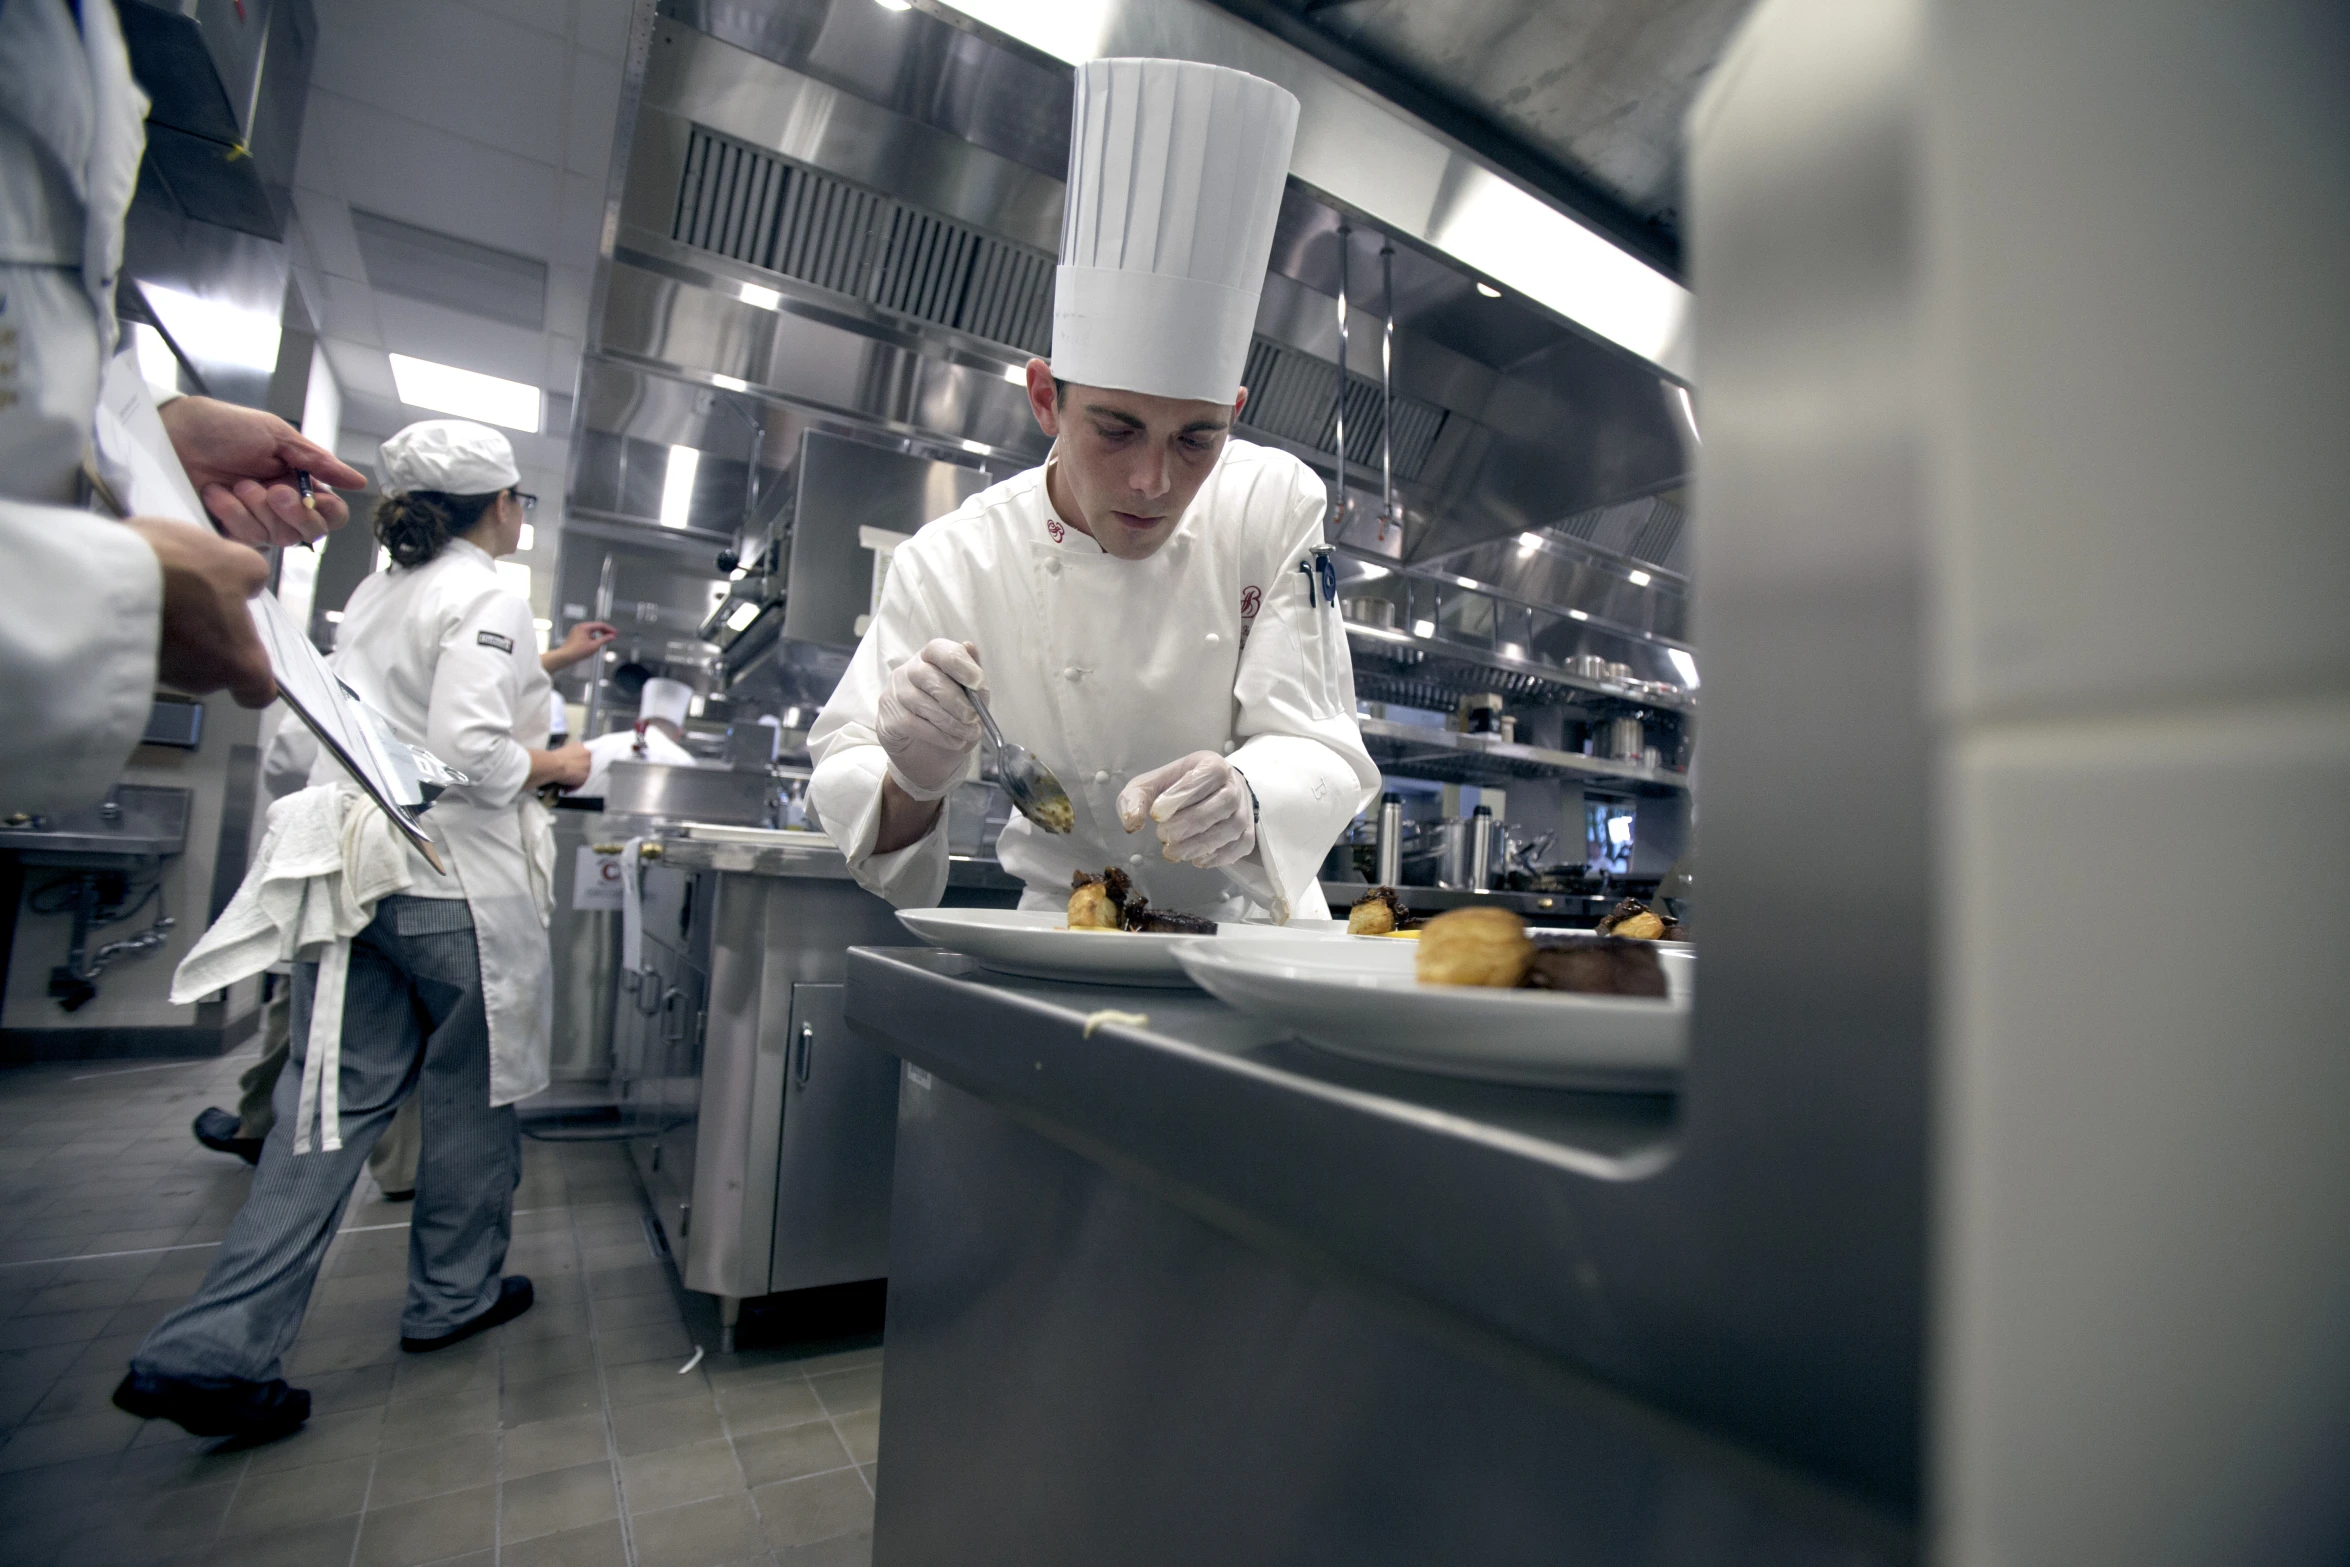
(1596, 966)
(1141, 916)
(1099, 902)
(1640, 922)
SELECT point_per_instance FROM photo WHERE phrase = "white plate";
(1038, 944)
(1358, 998)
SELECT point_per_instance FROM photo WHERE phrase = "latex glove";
(928, 727)
(1206, 815)
(243, 461)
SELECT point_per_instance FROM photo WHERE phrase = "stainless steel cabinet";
(832, 1175)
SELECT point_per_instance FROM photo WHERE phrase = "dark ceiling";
(1582, 99)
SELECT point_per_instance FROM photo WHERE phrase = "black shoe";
(216, 1406)
(217, 1130)
(514, 1298)
(404, 1196)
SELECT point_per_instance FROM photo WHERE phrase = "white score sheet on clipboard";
(131, 434)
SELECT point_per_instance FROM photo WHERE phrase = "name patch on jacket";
(503, 644)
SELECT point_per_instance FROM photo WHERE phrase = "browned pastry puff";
(1378, 912)
(1473, 946)
(1596, 966)
(1109, 902)
(1639, 922)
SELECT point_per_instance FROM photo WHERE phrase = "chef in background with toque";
(1144, 612)
(659, 734)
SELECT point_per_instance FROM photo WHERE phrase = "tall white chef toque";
(454, 456)
(1175, 176)
(669, 699)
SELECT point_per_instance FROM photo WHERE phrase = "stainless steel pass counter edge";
(1102, 1242)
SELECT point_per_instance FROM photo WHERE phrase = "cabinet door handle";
(670, 1008)
(804, 1048)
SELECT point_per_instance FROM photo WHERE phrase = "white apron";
(1106, 668)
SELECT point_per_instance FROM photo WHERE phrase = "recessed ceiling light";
(529, 539)
(1685, 664)
(730, 383)
(1576, 614)
(981, 447)
(208, 330)
(895, 5)
(1641, 579)
(677, 486)
(1423, 628)
(1016, 374)
(1528, 543)
(468, 394)
(753, 294)
(1489, 291)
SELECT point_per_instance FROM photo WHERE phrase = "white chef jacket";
(82, 599)
(1106, 668)
(446, 653)
(621, 746)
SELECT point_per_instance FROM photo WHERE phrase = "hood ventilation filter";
(1289, 396)
(751, 206)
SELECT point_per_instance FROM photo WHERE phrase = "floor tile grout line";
(838, 1434)
(148, 1251)
(603, 1391)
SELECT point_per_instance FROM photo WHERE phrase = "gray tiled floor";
(568, 1436)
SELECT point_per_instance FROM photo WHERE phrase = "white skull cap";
(454, 456)
(1175, 177)
(670, 699)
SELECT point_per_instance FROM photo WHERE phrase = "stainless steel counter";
(1376, 1316)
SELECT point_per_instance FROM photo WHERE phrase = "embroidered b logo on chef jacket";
(1252, 599)
(503, 644)
(1052, 525)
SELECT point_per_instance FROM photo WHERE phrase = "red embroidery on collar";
(1252, 599)
(1052, 525)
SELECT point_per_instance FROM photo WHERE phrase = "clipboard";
(146, 480)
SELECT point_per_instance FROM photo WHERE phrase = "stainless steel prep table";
(762, 1130)
(1195, 1292)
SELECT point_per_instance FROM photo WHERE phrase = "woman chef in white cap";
(446, 994)
(1143, 611)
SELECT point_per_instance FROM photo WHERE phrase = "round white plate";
(1038, 944)
(1359, 998)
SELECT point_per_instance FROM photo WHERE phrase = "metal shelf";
(1395, 666)
(1414, 752)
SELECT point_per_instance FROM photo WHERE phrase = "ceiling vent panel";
(441, 269)
(752, 206)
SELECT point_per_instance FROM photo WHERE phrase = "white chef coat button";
(1052, 568)
(1072, 673)
(1134, 859)
(1101, 778)
(1214, 638)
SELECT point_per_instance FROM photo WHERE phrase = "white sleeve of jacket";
(475, 684)
(1294, 700)
(81, 609)
(850, 764)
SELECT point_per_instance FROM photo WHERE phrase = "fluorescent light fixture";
(730, 383)
(1423, 628)
(1639, 579)
(445, 389)
(158, 366)
(981, 447)
(1366, 572)
(1512, 650)
(1576, 614)
(1684, 664)
(211, 332)
(1528, 543)
(544, 625)
(895, 5)
(677, 486)
(1688, 412)
(1468, 582)
(1072, 31)
(753, 294)
(1016, 374)
(742, 615)
(1489, 291)
(529, 539)
(334, 617)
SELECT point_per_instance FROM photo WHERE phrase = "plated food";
(1492, 948)
(1109, 902)
(1636, 921)
(1379, 912)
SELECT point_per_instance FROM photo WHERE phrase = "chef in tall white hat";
(658, 735)
(1144, 611)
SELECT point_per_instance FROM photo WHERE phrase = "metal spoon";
(1030, 783)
